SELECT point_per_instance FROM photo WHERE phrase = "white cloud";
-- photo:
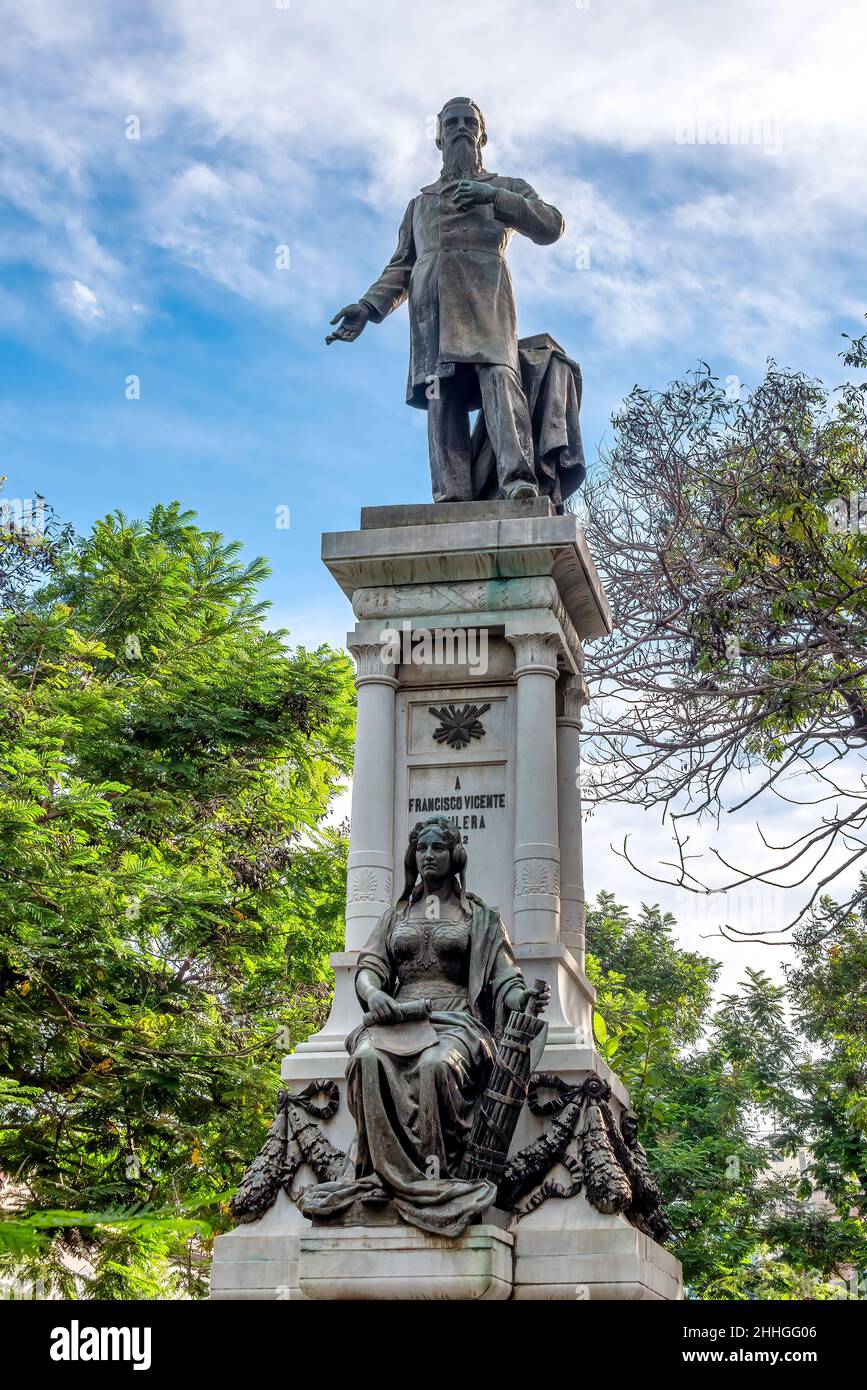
(81, 301)
(311, 126)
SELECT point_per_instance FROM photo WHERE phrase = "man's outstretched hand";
(354, 317)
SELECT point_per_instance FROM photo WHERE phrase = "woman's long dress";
(414, 1113)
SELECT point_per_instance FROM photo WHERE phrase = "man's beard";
(461, 159)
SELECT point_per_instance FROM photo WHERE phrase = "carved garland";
(606, 1161)
(293, 1140)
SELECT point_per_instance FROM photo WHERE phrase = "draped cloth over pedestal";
(553, 386)
(413, 1114)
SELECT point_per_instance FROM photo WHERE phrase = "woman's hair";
(413, 887)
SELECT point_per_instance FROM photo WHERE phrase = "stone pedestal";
(260, 1261)
(567, 1250)
(481, 604)
(468, 642)
(401, 1263)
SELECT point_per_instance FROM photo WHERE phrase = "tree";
(730, 531)
(827, 985)
(725, 1092)
(169, 891)
(30, 540)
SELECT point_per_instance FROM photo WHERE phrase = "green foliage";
(726, 1093)
(651, 996)
(169, 890)
(828, 988)
(765, 1276)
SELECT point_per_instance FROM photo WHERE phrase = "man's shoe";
(521, 491)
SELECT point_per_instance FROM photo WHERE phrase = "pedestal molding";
(525, 576)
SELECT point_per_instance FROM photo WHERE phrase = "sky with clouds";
(189, 191)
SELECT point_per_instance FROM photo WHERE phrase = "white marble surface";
(486, 543)
(568, 1250)
(402, 1263)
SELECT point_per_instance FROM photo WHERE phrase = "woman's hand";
(383, 1007)
(519, 998)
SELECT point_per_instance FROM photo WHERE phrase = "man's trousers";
(507, 419)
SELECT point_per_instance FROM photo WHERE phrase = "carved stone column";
(572, 695)
(370, 879)
(537, 850)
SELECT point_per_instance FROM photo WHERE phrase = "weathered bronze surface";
(414, 1109)
(450, 266)
(584, 1139)
(293, 1141)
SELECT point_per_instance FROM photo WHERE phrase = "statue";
(464, 351)
(438, 981)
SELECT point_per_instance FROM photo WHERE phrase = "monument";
(452, 1132)
(450, 266)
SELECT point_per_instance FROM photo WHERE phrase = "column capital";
(374, 665)
(573, 696)
(535, 651)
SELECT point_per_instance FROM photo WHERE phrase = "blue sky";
(709, 161)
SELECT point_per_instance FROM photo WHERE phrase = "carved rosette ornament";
(458, 727)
